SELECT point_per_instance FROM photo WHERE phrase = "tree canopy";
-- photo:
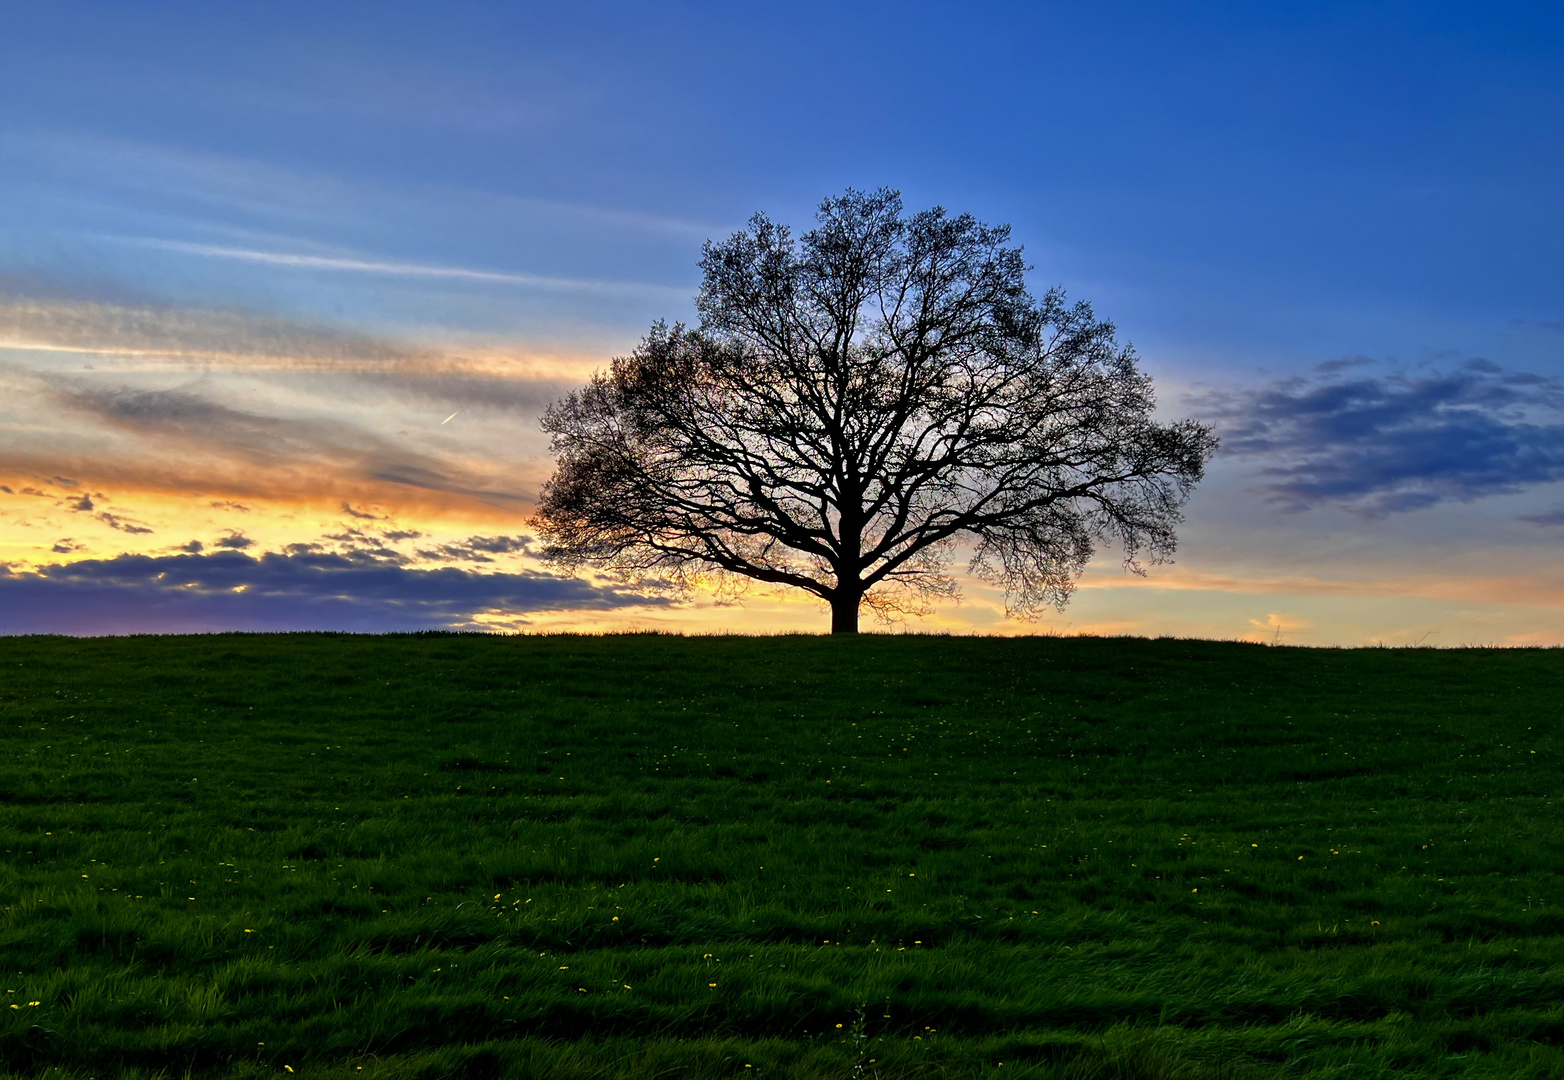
(858, 404)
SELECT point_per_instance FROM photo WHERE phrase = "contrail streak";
(401, 269)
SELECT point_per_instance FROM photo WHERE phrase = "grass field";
(427, 856)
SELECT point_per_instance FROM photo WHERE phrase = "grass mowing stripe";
(433, 855)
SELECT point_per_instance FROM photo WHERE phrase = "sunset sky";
(285, 287)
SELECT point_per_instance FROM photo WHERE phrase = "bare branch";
(856, 401)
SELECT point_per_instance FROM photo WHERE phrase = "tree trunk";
(844, 611)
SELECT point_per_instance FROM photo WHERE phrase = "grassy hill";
(661, 857)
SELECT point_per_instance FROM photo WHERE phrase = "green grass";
(897, 857)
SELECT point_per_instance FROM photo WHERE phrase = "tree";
(855, 404)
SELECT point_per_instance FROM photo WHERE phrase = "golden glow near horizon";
(158, 432)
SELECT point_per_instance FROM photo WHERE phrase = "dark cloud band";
(305, 591)
(1382, 444)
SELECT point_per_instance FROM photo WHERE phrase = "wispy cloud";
(137, 337)
(196, 336)
(230, 191)
(196, 443)
(300, 261)
(1384, 444)
(306, 590)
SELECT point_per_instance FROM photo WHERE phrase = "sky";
(284, 290)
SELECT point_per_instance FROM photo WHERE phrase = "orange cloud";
(203, 339)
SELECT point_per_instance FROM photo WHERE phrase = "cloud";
(255, 443)
(359, 546)
(525, 392)
(418, 476)
(1551, 517)
(499, 544)
(120, 335)
(282, 411)
(1384, 444)
(1275, 625)
(178, 414)
(115, 521)
(361, 265)
(301, 591)
(194, 336)
(1342, 363)
(477, 549)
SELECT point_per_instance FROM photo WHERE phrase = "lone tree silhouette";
(856, 403)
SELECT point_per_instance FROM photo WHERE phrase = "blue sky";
(254, 253)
